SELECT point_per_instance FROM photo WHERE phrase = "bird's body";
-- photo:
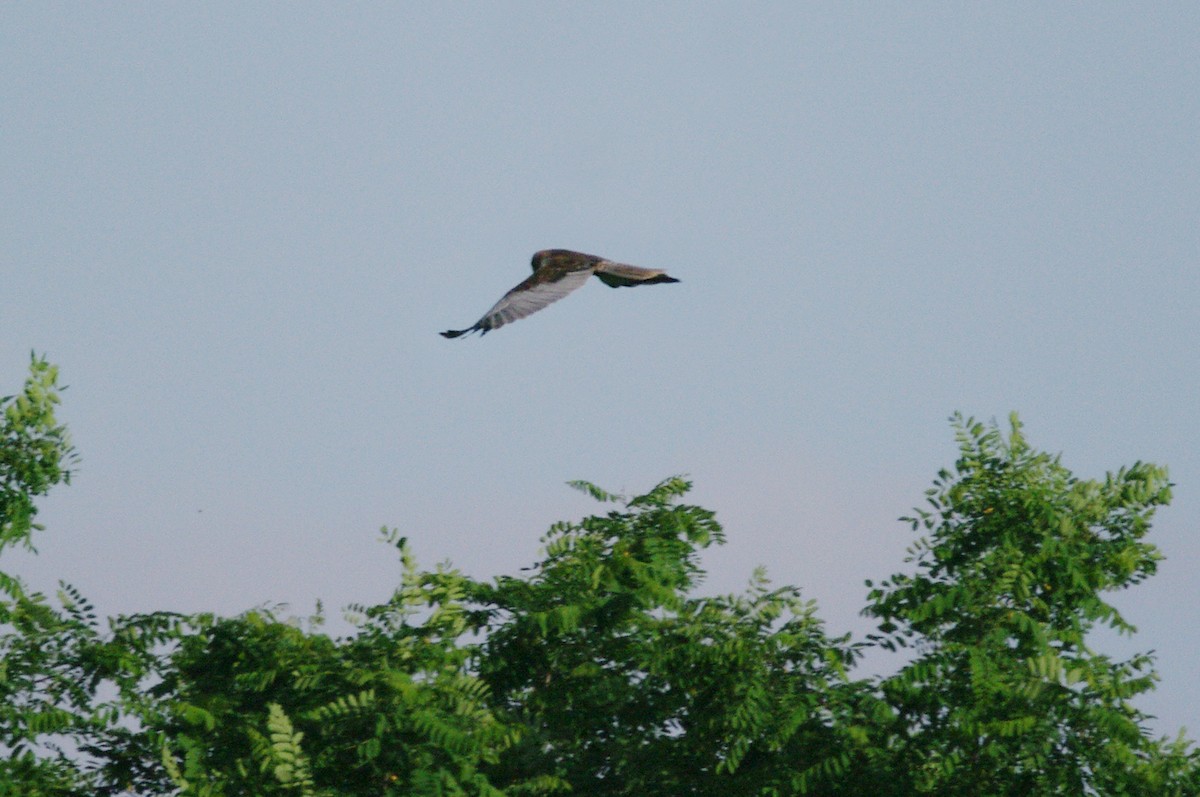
(557, 272)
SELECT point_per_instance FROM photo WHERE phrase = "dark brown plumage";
(557, 272)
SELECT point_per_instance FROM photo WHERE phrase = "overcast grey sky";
(238, 228)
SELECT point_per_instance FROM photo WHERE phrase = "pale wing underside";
(529, 297)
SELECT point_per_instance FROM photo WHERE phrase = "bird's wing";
(544, 287)
(618, 275)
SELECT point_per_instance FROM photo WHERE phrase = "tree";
(44, 690)
(629, 684)
(1005, 695)
(255, 705)
(35, 452)
(601, 670)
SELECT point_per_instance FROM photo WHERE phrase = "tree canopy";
(604, 670)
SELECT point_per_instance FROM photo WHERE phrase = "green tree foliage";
(43, 673)
(253, 705)
(35, 452)
(603, 670)
(628, 684)
(1005, 696)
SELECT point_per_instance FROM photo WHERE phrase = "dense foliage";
(601, 670)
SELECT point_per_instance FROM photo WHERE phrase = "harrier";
(557, 272)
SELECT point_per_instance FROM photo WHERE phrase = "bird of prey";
(557, 272)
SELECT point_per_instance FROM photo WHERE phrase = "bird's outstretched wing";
(545, 286)
(620, 275)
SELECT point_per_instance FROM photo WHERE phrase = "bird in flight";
(557, 272)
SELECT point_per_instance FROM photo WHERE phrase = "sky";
(238, 227)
